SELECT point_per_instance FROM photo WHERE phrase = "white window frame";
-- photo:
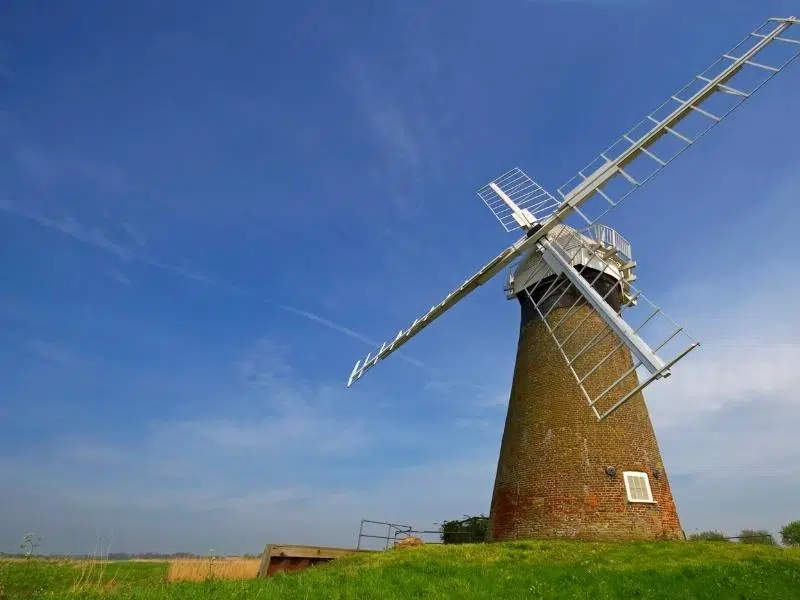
(625, 476)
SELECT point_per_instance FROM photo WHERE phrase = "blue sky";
(208, 215)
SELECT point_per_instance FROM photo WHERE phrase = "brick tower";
(561, 473)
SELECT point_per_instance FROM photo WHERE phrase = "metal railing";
(610, 238)
(390, 533)
(393, 530)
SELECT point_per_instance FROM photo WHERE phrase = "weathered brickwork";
(551, 477)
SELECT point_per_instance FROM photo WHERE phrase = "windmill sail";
(513, 193)
(658, 139)
(576, 276)
(626, 165)
(483, 275)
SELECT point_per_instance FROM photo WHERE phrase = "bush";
(790, 534)
(756, 536)
(470, 530)
(708, 536)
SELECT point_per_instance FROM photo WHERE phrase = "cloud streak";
(120, 278)
(97, 239)
(48, 168)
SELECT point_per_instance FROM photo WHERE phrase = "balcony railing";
(610, 238)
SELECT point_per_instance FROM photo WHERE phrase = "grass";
(30, 579)
(512, 570)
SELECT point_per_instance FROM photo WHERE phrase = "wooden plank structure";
(286, 557)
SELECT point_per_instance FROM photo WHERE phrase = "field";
(510, 570)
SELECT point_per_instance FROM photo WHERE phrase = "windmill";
(579, 457)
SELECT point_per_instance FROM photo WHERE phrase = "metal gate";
(385, 534)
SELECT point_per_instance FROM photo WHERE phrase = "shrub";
(756, 536)
(708, 536)
(790, 534)
(466, 531)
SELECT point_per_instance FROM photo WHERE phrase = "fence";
(386, 534)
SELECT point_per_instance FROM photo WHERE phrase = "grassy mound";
(511, 570)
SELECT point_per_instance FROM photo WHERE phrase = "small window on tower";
(638, 486)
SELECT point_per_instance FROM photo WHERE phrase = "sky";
(208, 215)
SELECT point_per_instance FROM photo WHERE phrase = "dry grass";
(200, 569)
(92, 574)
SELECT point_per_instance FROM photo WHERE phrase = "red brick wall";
(551, 477)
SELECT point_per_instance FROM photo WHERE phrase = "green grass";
(512, 570)
(23, 579)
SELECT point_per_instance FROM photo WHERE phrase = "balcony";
(609, 238)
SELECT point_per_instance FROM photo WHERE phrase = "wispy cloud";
(299, 432)
(70, 227)
(98, 239)
(305, 417)
(749, 349)
(209, 508)
(298, 435)
(724, 376)
(334, 326)
(389, 122)
(51, 351)
(734, 467)
(134, 234)
(264, 364)
(405, 128)
(741, 437)
(50, 168)
(119, 277)
(86, 451)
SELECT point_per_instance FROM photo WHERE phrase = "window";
(638, 486)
